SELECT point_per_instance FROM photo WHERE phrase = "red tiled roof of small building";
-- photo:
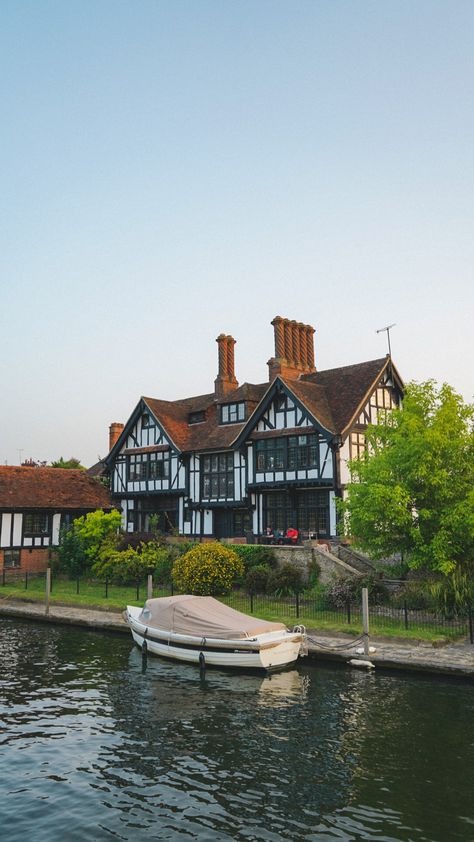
(50, 488)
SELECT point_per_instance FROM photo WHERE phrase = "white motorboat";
(200, 629)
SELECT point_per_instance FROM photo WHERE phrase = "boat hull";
(268, 652)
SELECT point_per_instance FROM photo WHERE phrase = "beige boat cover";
(202, 616)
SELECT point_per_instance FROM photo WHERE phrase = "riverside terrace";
(390, 619)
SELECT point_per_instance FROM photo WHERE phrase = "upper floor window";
(231, 413)
(197, 417)
(148, 466)
(358, 445)
(36, 523)
(288, 453)
(218, 475)
(146, 421)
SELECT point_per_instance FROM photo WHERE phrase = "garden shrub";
(349, 589)
(207, 569)
(80, 543)
(254, 555)
(416, 594)
(287, 580)
(256, 580)
(135, 563)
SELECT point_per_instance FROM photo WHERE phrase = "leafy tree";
(68, 463)
(80, 544)
(414, 491)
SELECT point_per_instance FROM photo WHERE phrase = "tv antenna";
(388, 329)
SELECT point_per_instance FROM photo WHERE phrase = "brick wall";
(35, 560)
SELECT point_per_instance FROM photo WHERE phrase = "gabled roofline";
(388, 362)
(142, 403)
(277, 385)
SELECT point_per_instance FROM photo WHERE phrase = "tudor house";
(230, 463)
(35, 503)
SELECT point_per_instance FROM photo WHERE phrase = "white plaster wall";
(55, 531)
(332, 513)
(344, 457)
(6, 529)
(207, 522)
(17, 523)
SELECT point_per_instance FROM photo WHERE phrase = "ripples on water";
(92, 748)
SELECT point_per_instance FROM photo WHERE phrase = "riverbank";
(456, 659)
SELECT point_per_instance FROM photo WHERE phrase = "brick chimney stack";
(115, 431)
(225, 381)
(294, 349)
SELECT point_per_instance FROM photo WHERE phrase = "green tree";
(68, 463)
(81, 543)
(414, 491)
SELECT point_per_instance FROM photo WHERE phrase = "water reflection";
(92, 747)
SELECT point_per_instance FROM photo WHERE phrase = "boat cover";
(203, 616)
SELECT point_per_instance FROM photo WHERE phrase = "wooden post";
(48, 591)
(150, 586)
(365, 620)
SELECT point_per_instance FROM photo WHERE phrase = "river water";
(93, 748)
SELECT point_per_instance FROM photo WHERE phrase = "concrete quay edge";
(455, 659)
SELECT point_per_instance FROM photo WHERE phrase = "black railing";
(303, 606)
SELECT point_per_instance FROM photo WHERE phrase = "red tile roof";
(332, 398)
(51, 488)
(347, 387)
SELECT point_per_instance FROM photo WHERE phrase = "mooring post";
(150, 586)
(365, 619)
(48, 590)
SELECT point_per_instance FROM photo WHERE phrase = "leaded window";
(36, 523)
(218, 476)
(307, 511)
(232, 413)
(358, 445)
(290, 453)
(11, 558)
(148, 466)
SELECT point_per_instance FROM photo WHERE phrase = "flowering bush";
(207, 569)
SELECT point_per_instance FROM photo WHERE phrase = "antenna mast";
(388, 329)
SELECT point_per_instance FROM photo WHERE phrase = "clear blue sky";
(174, 170)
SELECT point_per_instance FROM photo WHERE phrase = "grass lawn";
(92, 595)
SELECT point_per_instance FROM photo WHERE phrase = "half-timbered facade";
(35, 503)
(243, 458)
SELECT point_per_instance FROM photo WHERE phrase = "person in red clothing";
(292, 535)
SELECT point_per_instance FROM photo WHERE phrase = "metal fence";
(390, 616)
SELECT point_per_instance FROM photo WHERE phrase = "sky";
(174, 170)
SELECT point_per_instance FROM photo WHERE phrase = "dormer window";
(232, 413)
(197, 417)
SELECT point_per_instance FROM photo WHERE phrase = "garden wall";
(303, 557)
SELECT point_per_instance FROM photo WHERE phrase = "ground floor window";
(11, 558)
(307, 511)
(156, 514)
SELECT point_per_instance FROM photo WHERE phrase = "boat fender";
(202, 663)
(358, 662)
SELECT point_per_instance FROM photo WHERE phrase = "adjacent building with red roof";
(243, 458)
(35, 503)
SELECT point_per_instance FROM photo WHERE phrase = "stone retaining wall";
(303, 557)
